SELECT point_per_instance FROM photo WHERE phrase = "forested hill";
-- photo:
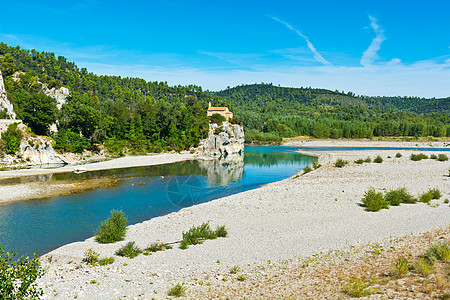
(122, 113)
(271, 112)
(268, 97)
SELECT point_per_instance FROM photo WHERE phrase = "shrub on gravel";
(307, 170)
(113, 229)
(357, 288)
(129, 250)
(442, 157)
(398, 155)
(418, 157)
(433, 156)
(426, 197)
(398, 196)
(178, 290)
(106, 261)
(316, 164)
(374, 201)
(378, 159)
(196, 235)
(423, 267)
(368, 160)
(435, 193)
(340, 163)
(359, 161)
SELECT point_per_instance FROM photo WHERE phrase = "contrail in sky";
(371, 54)
(311, 47)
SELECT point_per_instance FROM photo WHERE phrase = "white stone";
(5, 104)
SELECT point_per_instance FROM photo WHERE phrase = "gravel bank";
(290, 219)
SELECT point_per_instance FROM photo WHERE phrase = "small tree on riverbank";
(112, 230)
(18, 278)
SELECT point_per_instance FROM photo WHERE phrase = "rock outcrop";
(60, 95)
(4, 102)
(39, 151)
(223, 171)
(223, 140)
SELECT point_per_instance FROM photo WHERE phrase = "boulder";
(223, 140)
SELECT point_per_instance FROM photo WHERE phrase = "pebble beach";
(285, 221)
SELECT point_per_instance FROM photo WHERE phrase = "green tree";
(8, 65)
(39, 112)
(12, 137)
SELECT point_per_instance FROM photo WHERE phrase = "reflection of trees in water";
(271, 159)
(223, 171)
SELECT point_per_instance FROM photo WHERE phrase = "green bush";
(217, 118)
(426, 197)
(378, 160)
(418, 157)
(423, 267)
(196, 235)
(340, 163)
(359, 161)
(433, 156)
(374, 201)
(113, 229)
(442, 157)
(368, 159)
(178, 290)
(398, 196)
(12, 137)
(129, 250)
(435, 193)
(357, 288)
(398, 155)
(18, 277)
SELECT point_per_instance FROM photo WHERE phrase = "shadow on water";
(144, 192)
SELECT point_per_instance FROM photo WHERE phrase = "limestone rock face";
(60, 95)
(39, 151)
(223, 140)
(4, 102)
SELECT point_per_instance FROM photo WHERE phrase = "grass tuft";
(235, 270)
(433, 156)
(113, 229)
(401, 267)
(357, 288)
(106, 261)
(423, 267)
(316, 165)
(368, 160)
(129, 250)
(374, 201)
(91, 257)
(178, 290)
(155, 247)
(426, 197)
(398, 155)
(438, 252)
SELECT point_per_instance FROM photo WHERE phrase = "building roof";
(218, 108)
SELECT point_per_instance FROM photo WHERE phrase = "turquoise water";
(143, 193)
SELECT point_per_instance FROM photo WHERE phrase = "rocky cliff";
(4, 102)
(223, 140)
(39, 151)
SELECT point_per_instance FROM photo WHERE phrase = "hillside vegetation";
(136, 116)
(271, 112)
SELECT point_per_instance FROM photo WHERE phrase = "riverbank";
(25, 190)
(287, 220)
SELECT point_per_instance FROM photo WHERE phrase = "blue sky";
(369, 47)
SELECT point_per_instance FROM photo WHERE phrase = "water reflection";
(145, 192)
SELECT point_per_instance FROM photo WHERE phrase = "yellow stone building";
(223, 111)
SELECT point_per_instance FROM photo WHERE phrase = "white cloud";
(313, 49)
(371, 54)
